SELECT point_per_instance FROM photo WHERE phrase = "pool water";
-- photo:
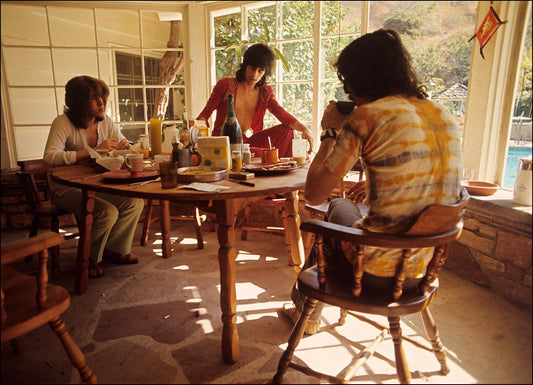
(511, 169)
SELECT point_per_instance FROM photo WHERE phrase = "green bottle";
(232, 128)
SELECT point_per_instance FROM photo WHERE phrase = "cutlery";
(144, 182)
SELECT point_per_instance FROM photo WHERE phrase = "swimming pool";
(515, 152)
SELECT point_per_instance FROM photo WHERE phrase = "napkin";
(208, 187)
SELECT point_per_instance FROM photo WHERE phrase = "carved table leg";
(81, 278)
(225, 212)
(164, 221)
(292, 226)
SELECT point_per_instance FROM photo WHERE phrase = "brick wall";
(494, 250)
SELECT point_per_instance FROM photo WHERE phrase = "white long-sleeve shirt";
(65, 139)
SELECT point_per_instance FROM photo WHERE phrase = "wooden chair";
(29, 302)
(279, 204)
(35, 183)
(150, 216)
(436, 226)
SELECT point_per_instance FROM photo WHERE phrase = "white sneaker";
(290, 311)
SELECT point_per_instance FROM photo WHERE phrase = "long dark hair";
(77, 98)
(257, 55)
(377, 65)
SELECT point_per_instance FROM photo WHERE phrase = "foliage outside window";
(435, 33)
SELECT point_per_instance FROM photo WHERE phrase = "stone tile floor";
(159, 322)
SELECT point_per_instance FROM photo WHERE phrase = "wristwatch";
(328, 133)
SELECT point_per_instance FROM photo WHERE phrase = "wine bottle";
(232, 128)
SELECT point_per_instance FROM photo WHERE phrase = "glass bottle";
(246, 154)
(185, 132)
(232, 128)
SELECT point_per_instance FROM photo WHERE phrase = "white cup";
(134, 162)
(160, 158)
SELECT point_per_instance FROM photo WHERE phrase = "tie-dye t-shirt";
(411, 153)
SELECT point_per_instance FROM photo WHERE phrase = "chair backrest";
(437, 226)
(29, 187)
(34, 179)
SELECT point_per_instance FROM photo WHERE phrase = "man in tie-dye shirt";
(410, 148)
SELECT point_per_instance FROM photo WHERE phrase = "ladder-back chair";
(34, 179)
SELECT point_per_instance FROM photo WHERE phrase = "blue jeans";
(344, 212)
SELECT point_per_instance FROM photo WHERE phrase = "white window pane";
(28, 66)
(107, 72)
(24, 25)
(31, 141)
(71, 27)
(33, 106)
(119, 27)
(73, 62)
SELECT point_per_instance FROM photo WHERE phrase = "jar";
(236, 161)
(246, 154)
(144, 145)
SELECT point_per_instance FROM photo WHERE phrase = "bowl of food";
(110, 163)
(478, 187)
(200, 174)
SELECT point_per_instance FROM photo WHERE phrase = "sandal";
(122, 259)
(95, 270)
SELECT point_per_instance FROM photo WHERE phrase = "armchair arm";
(18, 250)
(367, 238)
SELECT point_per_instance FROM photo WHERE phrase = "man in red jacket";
(253, 97)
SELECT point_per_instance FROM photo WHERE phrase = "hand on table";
(111, 144)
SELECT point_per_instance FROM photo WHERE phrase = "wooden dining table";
(224, 204)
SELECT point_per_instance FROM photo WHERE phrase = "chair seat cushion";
(22, 314)
(338, 293)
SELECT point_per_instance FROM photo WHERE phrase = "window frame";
(485, 103)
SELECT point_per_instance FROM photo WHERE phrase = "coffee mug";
(135, 163)
(184, 157)
(345, 107)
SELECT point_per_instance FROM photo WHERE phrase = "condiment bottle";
(144, 145)
(202, 128)
(185, 132)
(236, 161)
(155, 136)
(246, 154)
(232, 128)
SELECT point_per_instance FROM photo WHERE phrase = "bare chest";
(92, 135)
(246, 105)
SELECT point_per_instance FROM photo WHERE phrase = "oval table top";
(86, 177)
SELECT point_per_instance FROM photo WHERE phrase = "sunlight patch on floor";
(247, 290)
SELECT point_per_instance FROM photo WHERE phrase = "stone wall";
(494, 250)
